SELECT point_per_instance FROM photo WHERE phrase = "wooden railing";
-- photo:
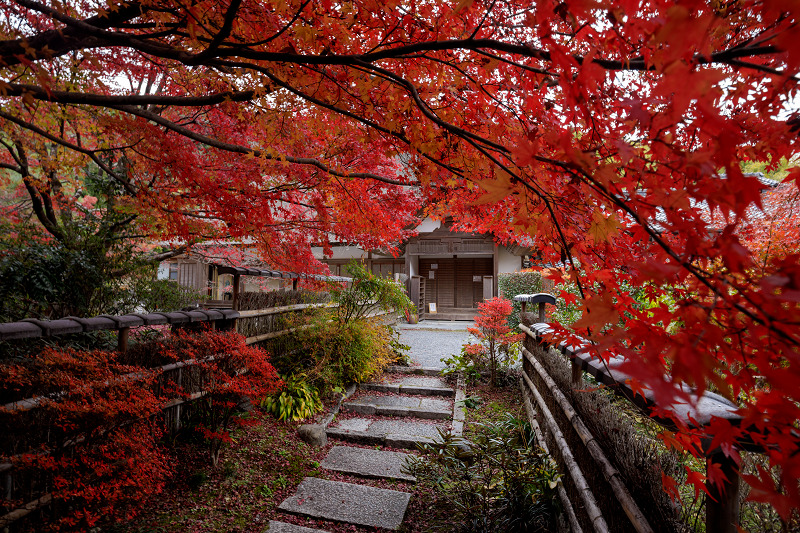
(558, 422)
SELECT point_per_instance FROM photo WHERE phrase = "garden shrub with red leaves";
(89, 440)
(495, 334)
(226, 372)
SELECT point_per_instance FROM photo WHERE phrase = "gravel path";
(432, 341)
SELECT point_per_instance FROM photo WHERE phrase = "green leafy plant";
(298, 399)
(466, 363)
(500, 481)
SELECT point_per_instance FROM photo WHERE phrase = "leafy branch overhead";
(608, 135)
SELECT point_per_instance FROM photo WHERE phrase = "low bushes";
(90, 443)
(499, 481)
(343, 344)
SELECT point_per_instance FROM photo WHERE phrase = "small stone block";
(407, 442)
(346, 502)
(382, 387)
(367, 462)
(284, 527)
(361, 408)
(354, 424)
(313, 434)
(387, 410)
(359, 437)
(429, 414)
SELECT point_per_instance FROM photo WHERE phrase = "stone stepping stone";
(419, 407)
(285, 527)
(345, 502)
(423, 385)
(367, 462)
(419, 370)
(394, 433)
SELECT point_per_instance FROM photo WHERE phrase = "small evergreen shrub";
(499, 481)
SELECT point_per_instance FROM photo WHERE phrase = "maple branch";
(12, 51)
(54, 43)
(239, 149)
(767, 321)
(70, 97)
(90, 153)
(433, 116)
(224, 33)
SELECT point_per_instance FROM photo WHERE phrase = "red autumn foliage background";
(607, 135)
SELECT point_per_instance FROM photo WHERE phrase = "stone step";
(346, 502)
(416, 406)
(417, 370)
(394, 433)
(367, 462)
(421, 385)
(285, 527)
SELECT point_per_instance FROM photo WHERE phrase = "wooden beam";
(722, 505)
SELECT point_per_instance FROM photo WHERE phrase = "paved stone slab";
(284, 527)
(389, 401)
(367, 462)
(354, 424)
(395, 433)
(417, 381)
(420, 370)
(346, 502)
(405, 428)
(423, 385)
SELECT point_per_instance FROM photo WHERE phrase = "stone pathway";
(405, 407)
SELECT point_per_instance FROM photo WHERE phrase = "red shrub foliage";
(90, 441)
(491, 327)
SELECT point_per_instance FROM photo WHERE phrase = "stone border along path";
(421, 403)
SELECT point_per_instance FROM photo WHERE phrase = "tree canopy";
(607, 134)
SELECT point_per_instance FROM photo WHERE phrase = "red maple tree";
(595, 131)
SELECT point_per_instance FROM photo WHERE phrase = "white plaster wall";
(341, 252)
(428, 225)
(507, 262)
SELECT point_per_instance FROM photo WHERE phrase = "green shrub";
(296, 401)
(498, 482)
(341, 345)
(529, 282)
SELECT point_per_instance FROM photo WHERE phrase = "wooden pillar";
(122, 339)
(577, 373)
(235, 303)
(524, 306)
(722, 507)
(294, 283)
(541, 312)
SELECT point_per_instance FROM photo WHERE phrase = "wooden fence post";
(722, 506)
(122, 339)
(235, 303)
